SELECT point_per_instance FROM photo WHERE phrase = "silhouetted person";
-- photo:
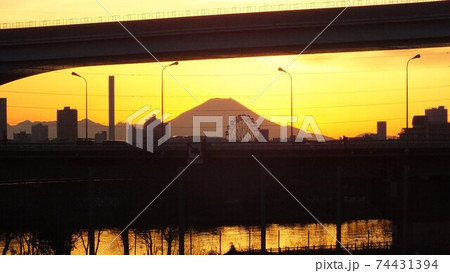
(232, 250)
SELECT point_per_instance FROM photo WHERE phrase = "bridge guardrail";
(204, 12)
(379, 245)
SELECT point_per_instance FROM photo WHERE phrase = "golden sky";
(345, 92)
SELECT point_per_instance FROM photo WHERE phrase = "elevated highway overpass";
(29, 51)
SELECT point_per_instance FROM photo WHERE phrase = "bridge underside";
(26, 52)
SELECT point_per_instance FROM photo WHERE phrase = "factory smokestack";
(111, 133)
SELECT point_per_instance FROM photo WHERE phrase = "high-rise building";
(432, 126)
(39, 133)
(3, 121)
(436, 115)
(67, 126)
(381, 130)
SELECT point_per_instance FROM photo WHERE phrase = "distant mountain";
(25, 126)
(369, 134)
(93, 128)
(364, 134)
(181, 125)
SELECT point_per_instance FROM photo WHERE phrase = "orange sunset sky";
(345, 92)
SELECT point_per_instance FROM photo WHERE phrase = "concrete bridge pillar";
(339, 206)
(404, 211)
(263, 209)
(91, 198)
(181, 215)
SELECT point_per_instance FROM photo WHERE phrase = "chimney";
(111, 132)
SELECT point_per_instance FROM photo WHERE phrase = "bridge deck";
(29, 51)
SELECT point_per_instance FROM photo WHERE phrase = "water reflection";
(199, 241)
(218, 240)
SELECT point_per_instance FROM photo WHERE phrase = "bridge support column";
(162, 240)
(339, 206)
(181, 216)
(126, 242)
(404, 211)
(91, 197)
(263, 210)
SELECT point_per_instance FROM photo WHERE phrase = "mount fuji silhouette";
(182, 125)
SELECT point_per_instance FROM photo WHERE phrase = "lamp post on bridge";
(77, 75)
(162, 96)
(407, 103)
(292, 115)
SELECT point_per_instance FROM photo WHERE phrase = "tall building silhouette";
(39, 133)
(437, 115)
(67, 126)
(3, 121)
(381, 130)
(432, 126)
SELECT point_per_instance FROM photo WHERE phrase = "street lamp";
(162, 96)
(407, 65)
(75, 74)
(292, 115)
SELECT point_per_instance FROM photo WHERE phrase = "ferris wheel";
(239, 129)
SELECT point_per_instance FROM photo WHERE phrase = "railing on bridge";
(204, 12)
(386, 245)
